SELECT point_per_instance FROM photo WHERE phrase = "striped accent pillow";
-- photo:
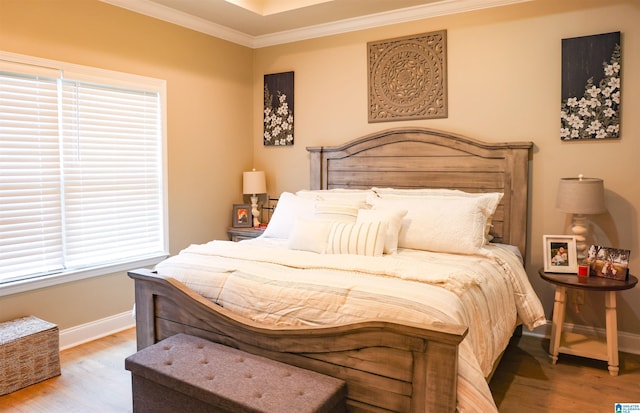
(361, 238)
(393, 219)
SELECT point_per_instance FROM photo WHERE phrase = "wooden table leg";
(558, 320)
(612, 332)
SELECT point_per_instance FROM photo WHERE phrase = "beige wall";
(504, 68)
(209, 92)
(504, 84)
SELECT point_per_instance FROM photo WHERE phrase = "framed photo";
(608, 262)
(241, 217)
(560, 253)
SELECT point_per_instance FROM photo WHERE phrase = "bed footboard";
(387, 366)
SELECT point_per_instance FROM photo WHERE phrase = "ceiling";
(260, 23)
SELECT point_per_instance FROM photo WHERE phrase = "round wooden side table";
(579, 344)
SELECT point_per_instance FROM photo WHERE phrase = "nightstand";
(238, 234)
(605, 349)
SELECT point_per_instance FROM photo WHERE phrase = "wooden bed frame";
(388, 366)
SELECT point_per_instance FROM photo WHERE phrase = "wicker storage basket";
(29, 353)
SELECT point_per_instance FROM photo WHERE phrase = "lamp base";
(580, 230)
(254, 211)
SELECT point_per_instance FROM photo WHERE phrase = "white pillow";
(489, 200)
(337, 211)
(393, 218)
(442, 224)
(388, 192)
(361, 238)
(284, 217)
(336, 194)
(309, 235)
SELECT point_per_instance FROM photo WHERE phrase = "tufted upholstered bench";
(184, 373)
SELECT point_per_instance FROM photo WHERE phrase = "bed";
(404, 352)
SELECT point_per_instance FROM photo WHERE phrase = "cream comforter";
(263, 280)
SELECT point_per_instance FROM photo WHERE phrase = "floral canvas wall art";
(278, 109)
(591, 71)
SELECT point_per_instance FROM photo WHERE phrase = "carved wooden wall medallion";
(408, 78)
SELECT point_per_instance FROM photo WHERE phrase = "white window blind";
(81, 174)
(31, 215)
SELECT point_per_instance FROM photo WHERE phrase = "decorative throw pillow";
(393, 219)
(337, 211)
(361, 238)
(309, 235)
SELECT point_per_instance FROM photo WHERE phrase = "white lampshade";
(254, 182)
(581, 196)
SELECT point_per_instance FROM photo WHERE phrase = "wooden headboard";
(426, 158)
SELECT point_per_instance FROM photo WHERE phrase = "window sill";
(66, 277)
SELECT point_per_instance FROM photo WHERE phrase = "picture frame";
(241, 216)
(560, 254)
(607, 262)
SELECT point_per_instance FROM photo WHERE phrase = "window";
(82, 180)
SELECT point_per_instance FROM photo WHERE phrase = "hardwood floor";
(94, 380)
(526, 381)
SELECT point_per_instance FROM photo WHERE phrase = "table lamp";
(254, 183)
(581, 196)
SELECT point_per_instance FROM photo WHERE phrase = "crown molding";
(167, 14)
(441, 8)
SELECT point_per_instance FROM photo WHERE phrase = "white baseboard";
(627, 342)
(74, 336)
